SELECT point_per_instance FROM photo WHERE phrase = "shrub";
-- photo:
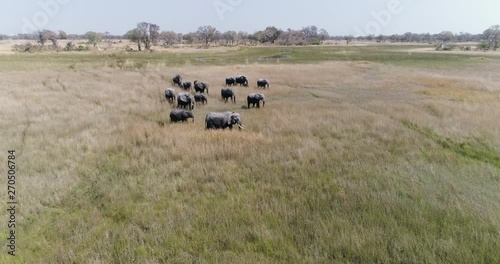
(484, 46)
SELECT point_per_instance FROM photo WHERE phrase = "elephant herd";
(213, 120)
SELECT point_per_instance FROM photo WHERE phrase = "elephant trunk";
(263, 103)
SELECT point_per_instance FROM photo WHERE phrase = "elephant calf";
(230, 81)
(186, 86)
(255, 98)
(262, 83)
(177, 79)
(200, 98)
(180, 115)
(170, 95)
(222, 120)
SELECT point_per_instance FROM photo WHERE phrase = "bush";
(69, 46)
(484, 46)
(28, 47)
(82, 48)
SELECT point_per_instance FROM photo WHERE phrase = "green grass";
(387, 54)
(471, 148)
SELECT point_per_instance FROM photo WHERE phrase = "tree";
(446, 36)
(208, 34)
(154, 33)
(380, 38)
(62, 35)
(291, 37)
(323, 35)
(189, 38)
(242, 36)
(134, 36)
(145, 33)
(46, 35)
(270, 34)
(255, 37)
(230, 37)
(93, 37)
(169, 38)
(310, 34)
(348, 39)
(492, 36)
(464, 37)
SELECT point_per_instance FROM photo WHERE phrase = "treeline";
(146, 35)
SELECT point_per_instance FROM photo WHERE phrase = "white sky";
(338, 17)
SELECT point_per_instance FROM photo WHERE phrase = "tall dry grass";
(345, 163)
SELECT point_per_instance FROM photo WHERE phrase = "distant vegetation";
(146, 35)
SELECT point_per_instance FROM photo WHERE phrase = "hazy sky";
(338, 17)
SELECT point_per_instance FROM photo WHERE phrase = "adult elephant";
(185, 100)
(230, 81)
(263, 83)
(187, 86)
(200, 87)
(241, 80)
(177, 79)
(255, 98)
(170, 95)
(227, 93)
(200, 98)
(180, 115)
(223, 120)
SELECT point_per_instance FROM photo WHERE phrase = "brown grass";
(327, 171)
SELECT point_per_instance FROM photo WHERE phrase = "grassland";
(361, 155)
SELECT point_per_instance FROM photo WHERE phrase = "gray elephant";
(262, 83)
(255, 98)
(223, 120)
(230, 81)
(185, 100)
(180, 115)
(226, 93)
(200, 98)
(200, 87)
(170, 95)
(186, 86)
(241, 80)
(177, 79)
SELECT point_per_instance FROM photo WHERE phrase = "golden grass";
(330, 170)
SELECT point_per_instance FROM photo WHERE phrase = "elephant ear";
(230, 119)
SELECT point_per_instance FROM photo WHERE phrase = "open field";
(361, 155)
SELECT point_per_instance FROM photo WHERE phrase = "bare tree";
(208, 34)
(311, 34)
(154, 33)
